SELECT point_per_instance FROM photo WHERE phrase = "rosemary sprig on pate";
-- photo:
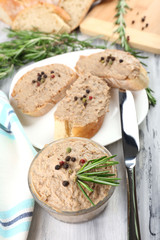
(121, 10)
(103, 176)
(28, 46)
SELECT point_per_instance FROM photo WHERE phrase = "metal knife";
(130, 141)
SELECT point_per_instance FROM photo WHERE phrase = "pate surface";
(46, 181)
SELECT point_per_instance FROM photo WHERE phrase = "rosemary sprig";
(99, 177)
(28, 46)
(151, 99)
(121, 9)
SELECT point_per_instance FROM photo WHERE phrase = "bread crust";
(12, 10)
(130, 73)
(72, 13)
(9, 10)
(65, 128)
(89, 130)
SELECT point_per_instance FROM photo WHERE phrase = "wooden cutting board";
(143, 23)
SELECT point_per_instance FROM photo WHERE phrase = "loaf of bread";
(44, 15)
(81, 112)
(77, 10)
(37, 91)
(120, 69)
(40, 15)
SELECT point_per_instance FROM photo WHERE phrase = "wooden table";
(112, 223)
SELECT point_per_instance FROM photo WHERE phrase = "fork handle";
(134, 229)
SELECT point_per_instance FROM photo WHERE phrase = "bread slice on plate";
(81, 112)
(76, 9)
(120, 69)
(37, 91)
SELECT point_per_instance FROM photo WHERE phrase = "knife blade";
(130, 142)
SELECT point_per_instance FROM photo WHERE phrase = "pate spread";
(53, 174)
(42, 85)
(86, 101)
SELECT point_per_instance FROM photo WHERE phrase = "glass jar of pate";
(52, 180)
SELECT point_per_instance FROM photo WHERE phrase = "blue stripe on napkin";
(23, 227)
(19, 207)
(21, 216)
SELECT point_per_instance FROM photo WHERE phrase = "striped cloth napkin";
(16, 154)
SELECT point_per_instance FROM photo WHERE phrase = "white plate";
(40, 130)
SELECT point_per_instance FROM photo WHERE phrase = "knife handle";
(134, 229)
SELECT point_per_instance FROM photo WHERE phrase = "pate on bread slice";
(81, 112)
(37, 91)
(120, 69)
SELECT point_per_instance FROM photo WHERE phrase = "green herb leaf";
(29, 46)
(94, 163)
(152, 100)
(100, 177)
(85, 194)
(86, 186)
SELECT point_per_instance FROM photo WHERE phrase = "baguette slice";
(81, 112)
(36, 92)
(9, 9)
(76, 9)
(120, 69)
(42, 17)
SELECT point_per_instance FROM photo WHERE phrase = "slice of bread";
(76, 9)
(81, 112)
(37, 91)
(42, 17)
(9, 9)
(120, 69)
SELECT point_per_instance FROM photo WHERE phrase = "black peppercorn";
(65, 165)
(52, 71)
(84, 96)
(143, 19)
(65, 183)
(33, 81)
(42, 73)
(39, 78)
(67, 158)
(75, 98)
(57, 167)
(45, 76)
(87, 91)
(73, 159)
(120, 60)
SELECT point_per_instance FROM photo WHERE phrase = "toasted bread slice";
(39, 90)
(81, 112)
(120, 69)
